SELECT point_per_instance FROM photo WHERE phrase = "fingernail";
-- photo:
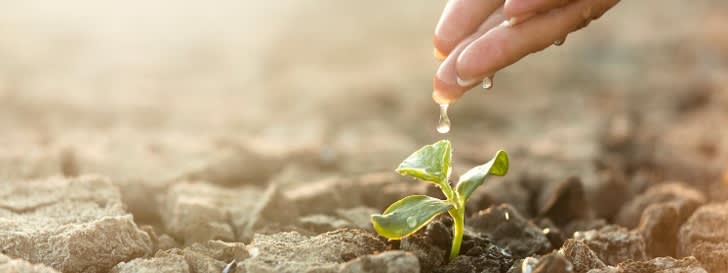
(438, 55)
(465, 83)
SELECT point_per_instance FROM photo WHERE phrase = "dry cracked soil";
(256, 137)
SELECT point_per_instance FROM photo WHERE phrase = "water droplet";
(528, 264)
(411, 222)
(559, 42)
(487, 83)
(508, 216)
(443, 126)
(546, 230)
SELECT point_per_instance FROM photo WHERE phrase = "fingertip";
(444, 92)
(440, 98)
(438, 55)
(480, 58)
(459, 20)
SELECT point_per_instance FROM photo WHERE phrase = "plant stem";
(447, 190)
(458, 216)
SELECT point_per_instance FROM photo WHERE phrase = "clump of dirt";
(72, 225)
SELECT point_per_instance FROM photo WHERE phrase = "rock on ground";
(290, 252)
(614, 244)
(358, 217)
(579, 254)
(684, 198)
(552, 263)
(31, 162)
(564, 202)
(385, 262)
(705, 236)
(9, 265)
(209, 257)
(163, 263)
(320, 223)
(198, 212)
(510, 190)
(72, 225)
(377, 190)
(153, 163)
(659, 227)
(510, 230)
(657, 265)
(159, 242)
(423, 246)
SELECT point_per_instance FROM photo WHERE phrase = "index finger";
(460, 19)
(517, 8)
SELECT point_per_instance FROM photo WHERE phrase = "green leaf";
(475, 177)
(429, 163)
(408, 215)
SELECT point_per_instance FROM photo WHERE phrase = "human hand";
(476, 38)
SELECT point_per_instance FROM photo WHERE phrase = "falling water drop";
(411, 222)
(487, 83)
(443, 126)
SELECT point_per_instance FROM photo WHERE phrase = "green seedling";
(432, 164)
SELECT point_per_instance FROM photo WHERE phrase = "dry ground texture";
(178, 136)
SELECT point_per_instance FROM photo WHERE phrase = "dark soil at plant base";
(619, 160)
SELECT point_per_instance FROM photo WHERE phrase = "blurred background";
(288, 91)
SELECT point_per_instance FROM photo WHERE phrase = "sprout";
(431, 163)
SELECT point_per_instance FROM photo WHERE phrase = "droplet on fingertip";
(439, 98)
(438, 55)
(411, 222)
(465, 83)
(510, 22)
(559, 42)
(487, 83)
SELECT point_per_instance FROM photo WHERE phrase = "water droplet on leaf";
(443, 126)
(411, 222)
